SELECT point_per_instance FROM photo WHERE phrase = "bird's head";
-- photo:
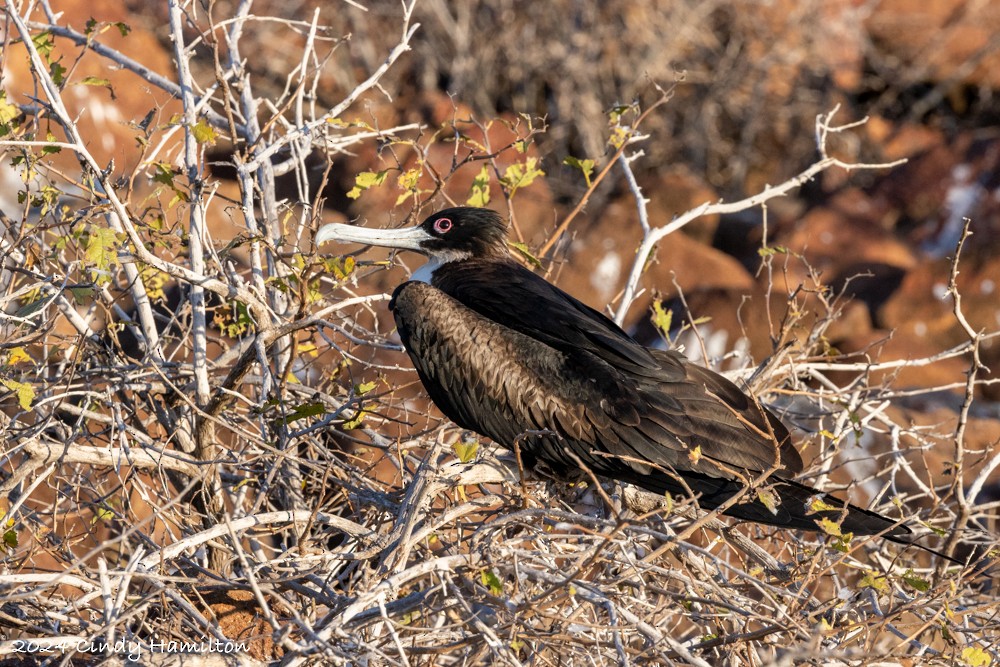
(452, 234)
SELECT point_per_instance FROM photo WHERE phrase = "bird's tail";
(787, 504)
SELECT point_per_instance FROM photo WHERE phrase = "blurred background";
(852, 267)
(751, 79)
(865, 253)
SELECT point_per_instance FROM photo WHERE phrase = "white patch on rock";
(605, 277)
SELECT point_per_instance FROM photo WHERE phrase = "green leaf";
(364, 388)
(32, 307)
(43, 43)
(203, 133)
(366, 180)
(58, 73)
(10, 539)
(102, 248)
(521, 175)
(95, 81)
(303, 411)
(123, 28)
(843, 543)
(479, 195)
(466, 451)
(51, 150)
(916, 582)
(358, 420)
(874, 581)
(163, 173)
(940, 532)
(24, 391)
(585, 165)
(492, 581)
(81, 294)
(235, 320)
(523, 250)
(772, 250)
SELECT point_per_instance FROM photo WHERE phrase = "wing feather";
(614, 421)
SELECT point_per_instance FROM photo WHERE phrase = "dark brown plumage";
(502, 352)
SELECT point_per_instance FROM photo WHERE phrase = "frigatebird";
(504, 353)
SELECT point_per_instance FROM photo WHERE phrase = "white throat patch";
(425, 273)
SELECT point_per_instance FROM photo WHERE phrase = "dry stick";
(259, 179)
(163, 556)
(141, 458)
(123, 61)
(420, 493)
(554, 238)
(657, 234)
(208, 497)
(588, 591)
(118, 222)
(372, 81)
(196, 220)
(958, 481)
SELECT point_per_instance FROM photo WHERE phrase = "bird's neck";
(452, 259)
(425, 273)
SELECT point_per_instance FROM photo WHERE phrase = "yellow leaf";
(976, 657)
(694, 455)
(102, 252)
(17, 355)
(830, 527)
(25, 392)
(466, 451)
(661, 318)
(8, 111)
(618, 137)
(408, 179)
(874, 581)
(769, 500)
(203, 133)
(479, 195)
(365, 180)
(820, 505)
(585, 166)
(521, 175)
(352, 424)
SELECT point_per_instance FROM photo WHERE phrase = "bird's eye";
(442, 225)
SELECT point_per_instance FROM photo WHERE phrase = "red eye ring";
(442, 225)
